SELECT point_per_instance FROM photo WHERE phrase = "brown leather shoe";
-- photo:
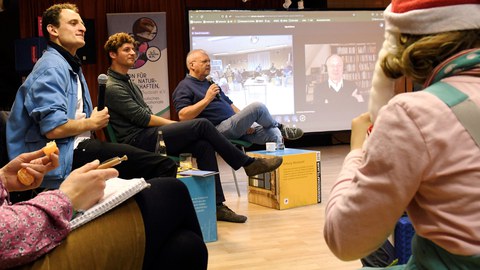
(263, 165)
(226, 214)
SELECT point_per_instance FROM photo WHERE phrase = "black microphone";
(102, 82)
(210, 80)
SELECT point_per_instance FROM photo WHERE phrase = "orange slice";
(27, 179)
(24, 177)
(50, 148)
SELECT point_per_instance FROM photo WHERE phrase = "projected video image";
(279, 58)
(252, 68)
(338, 75)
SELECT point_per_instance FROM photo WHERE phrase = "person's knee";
(171, 183)
(169, 162)
(258, 109)
(204, 123)
(166, 199)
(171, 167)
(256, 105)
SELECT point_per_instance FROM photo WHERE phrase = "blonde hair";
(418, 55)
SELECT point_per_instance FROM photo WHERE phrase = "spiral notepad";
(197, 173)
(117, 190)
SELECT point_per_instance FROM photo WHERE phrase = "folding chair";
(242, 145)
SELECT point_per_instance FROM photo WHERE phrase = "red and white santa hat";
(417, 17)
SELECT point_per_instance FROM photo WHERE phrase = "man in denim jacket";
(54, 104)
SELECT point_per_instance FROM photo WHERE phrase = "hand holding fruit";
(36, 164)
(24, 176)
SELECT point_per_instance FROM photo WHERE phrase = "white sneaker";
(287, 4)
(300, 5)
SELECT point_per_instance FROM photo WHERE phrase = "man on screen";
(336, 96)
(336, 88)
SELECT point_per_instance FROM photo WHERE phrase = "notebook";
(117, 190)
(197, 173)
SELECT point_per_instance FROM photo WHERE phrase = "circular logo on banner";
(153, 54)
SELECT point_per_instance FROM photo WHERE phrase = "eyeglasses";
(202, 62)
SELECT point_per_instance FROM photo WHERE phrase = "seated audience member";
(196, 97)
(164, 234)
(419, 157)
(54, 104)
(134, 123)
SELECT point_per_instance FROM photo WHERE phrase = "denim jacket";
(46, 100)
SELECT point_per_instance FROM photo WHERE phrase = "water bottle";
(161, 148)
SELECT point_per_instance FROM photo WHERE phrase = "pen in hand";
(112, 162)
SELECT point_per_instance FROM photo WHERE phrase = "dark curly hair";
(116, 41)
(52, 16)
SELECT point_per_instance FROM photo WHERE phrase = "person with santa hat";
(422, 155)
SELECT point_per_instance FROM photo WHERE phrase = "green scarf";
(464, 63)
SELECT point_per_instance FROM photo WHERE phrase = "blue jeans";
(254, 115)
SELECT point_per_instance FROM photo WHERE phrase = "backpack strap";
(463, 107)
